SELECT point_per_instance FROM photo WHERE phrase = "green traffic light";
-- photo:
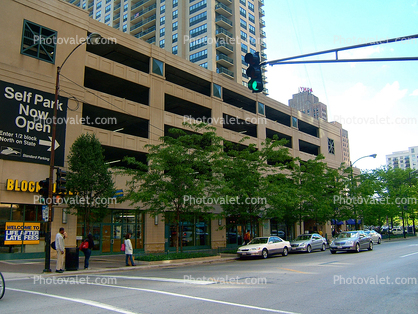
(254, 85)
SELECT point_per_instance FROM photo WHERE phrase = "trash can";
(71, 258)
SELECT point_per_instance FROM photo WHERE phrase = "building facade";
(215, 34)
(407, 159)
(129, 93)
(309, 104)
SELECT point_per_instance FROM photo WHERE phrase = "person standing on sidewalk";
(87, 252)
(128, 250)
(60, 247)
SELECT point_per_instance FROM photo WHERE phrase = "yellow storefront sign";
(18, 232)
(24, 186)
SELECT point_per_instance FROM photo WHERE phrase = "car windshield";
(303, 237)
(346, 235)
(259, 241)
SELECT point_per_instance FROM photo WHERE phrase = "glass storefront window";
(194, 232)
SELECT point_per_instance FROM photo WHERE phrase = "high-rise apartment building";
(215, 34)
(308, 103)
(406, 159)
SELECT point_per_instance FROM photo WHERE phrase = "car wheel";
(379, 241)
(285, 251)
(333, 252)
(357, 248)
(323, 247)
(371, 246)
(309, 249)
(264, 254)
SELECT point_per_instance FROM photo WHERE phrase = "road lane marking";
(296, 271)
(409, 254)
(82, 301)
(194, 282)
(197, 298)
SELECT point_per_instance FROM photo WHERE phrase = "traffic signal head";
(255, 84)
(44, 190)
(61, 181)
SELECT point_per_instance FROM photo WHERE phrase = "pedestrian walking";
(247, 237)
(87, 251)
(128, 250)
(60, 247)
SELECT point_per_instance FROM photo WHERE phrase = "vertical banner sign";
(26, 124)
(17, 233)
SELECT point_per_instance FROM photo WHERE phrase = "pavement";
(27, 268)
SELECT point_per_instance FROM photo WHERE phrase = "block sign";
(17, 233)
(26, 124)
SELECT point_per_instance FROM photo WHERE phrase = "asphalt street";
(384, 280)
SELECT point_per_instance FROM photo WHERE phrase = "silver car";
(308, 243)
(376, 237)
(351, 241)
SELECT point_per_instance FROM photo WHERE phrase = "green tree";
(178, 176)
(246, 179)
(89, 180)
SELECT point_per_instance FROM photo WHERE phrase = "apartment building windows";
(253, 41)
(204, 65)
(175, 26)
(125, 7)
(125, 17)
(242, 2)
(198, 43)
(198, 18)
(251, 18)
(162, 20)
(175, 14)
(162, 32)
(108, 8)
(162, 9)
(98, 5)
(243, 60)
(199, 56)
(250, 6)
(125, 28)
(175, 38)
(252, 50)
(331, 146)
(243, 23)
(199, 30)
(162, 43)
(174, 50)
(98, 15)
(244, 73)
(175, 3)
(243, 35)
(242, 12)
(198, 6)
(251, 29)
(244, 48)
(107, 18)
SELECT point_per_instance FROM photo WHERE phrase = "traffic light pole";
(337, 60)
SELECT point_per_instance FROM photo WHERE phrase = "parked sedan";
(376, 237)
(308, 243)
(264, 246)
(351, 241)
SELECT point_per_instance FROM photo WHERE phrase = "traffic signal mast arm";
(387, 41)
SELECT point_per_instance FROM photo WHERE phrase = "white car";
(397, 230)
(265, 246)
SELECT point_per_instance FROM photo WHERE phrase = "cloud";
(414, 93)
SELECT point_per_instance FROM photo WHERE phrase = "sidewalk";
(26, 268)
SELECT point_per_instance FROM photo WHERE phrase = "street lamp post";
(413, 214)
(93, 39)
(352, 185)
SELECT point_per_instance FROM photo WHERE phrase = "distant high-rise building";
(345, 145)
(308, 103)
(406, 159)
(216, 34)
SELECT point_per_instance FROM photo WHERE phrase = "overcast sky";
(377, 102)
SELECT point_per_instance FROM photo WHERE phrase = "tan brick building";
(148, 90)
